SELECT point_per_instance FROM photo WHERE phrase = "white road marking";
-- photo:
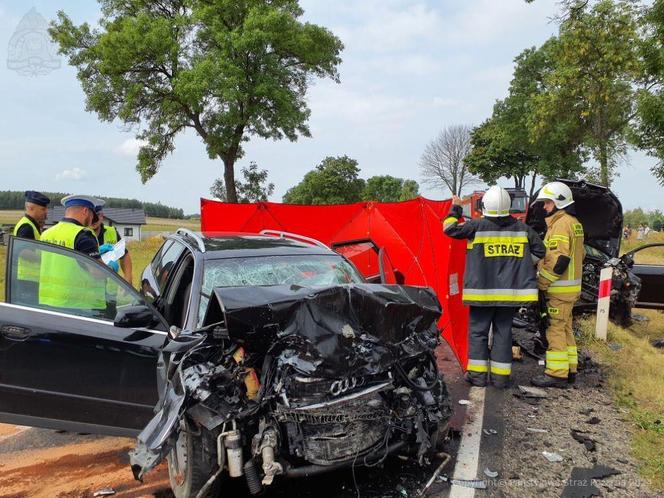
(469, 449)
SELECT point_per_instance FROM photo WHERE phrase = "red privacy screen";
(410, 232)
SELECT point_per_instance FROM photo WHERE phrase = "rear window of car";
(275, 270)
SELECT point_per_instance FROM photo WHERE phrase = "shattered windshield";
(274, 270)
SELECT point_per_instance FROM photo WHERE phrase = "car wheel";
(191, 463)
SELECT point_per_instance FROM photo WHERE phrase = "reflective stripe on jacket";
(27, 269)
(564, 237)
(500, 259)
(63, 282)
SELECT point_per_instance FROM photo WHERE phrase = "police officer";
(64, 283)
(108, 236)
(500, 276)
(560, 275)
(29, 227)
(36, 211)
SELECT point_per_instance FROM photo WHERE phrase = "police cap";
(34, 197)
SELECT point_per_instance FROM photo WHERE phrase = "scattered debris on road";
(580, 483)
(552, 457)
(490, 473)
(104, 492)
(588, 442)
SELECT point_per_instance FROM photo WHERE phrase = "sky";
(410, 68)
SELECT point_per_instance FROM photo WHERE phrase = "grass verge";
(635, 372)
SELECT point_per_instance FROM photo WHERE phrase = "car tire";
(191, 463)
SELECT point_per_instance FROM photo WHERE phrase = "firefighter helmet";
(496, 202)
(558, 192)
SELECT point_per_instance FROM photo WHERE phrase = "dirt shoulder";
(589, 408)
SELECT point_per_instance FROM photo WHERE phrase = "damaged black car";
(251, 357)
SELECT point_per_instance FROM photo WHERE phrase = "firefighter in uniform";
(64, 282)
(500, 276)
(560, 275)
(30, 227)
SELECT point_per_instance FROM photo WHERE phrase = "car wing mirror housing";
(134, 316)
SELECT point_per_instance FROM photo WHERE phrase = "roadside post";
(603, 302)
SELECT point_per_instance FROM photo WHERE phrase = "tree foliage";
(649, 133)
(443, 163)
(254, 188)
(592, 81)
(16, 200)
(334, 181)
(226, 69)
(505, 145)
(386, 188)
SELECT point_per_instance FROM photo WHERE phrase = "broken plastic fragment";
(490, 432)
(552, 457)
(490, 473)
(464, 402)
(533, 392)
(540, 431)
(104, 492)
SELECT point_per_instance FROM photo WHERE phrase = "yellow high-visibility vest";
(63, 283)
(27, 269)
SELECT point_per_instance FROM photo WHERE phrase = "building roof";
(118, 216)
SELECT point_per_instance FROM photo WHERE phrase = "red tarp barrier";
(411, 232)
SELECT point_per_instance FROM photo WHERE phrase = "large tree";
(386, 188)
(443, 165)
(505, 146)
(592, 81)
(226, 69)
(334, 181)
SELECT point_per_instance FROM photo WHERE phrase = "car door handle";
(14, 332)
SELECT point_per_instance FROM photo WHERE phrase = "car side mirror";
(628, 259)
(134, 317)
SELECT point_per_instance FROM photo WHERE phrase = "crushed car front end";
(293, 381)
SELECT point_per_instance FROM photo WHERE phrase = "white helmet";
(558, 192)
(496, 202)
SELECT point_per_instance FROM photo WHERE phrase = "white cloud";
(74, 174)
(130, 147)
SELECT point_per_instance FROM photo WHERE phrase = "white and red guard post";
(603, 302)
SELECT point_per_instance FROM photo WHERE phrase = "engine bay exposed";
(293, 381)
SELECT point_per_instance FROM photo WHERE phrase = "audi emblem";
(344, 385)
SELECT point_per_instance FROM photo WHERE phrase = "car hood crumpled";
(332, 331)
(598, 210)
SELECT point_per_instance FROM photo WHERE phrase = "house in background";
(128, 222)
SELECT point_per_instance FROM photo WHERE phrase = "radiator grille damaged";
(307, 377)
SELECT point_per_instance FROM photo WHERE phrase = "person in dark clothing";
(500, 276)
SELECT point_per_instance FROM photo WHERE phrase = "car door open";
(651, 273)
(78, 345)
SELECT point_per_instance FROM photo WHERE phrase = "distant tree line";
(16, 199)
(635, 217)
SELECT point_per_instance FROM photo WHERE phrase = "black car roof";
(244, 245)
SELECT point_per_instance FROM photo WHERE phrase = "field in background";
(654, 255)
(10, 217)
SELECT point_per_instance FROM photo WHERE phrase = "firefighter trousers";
(499, 360)
(561, 356)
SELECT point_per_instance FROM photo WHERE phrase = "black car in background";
(247, 355)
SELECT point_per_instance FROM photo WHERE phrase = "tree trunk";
(532, 186)
(604, 164)
(229, 179)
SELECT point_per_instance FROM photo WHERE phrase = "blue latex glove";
(114, 265)
(104, 248)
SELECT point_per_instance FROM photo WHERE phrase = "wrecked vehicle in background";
(600, 212)
(263, 356)
(296, 381)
